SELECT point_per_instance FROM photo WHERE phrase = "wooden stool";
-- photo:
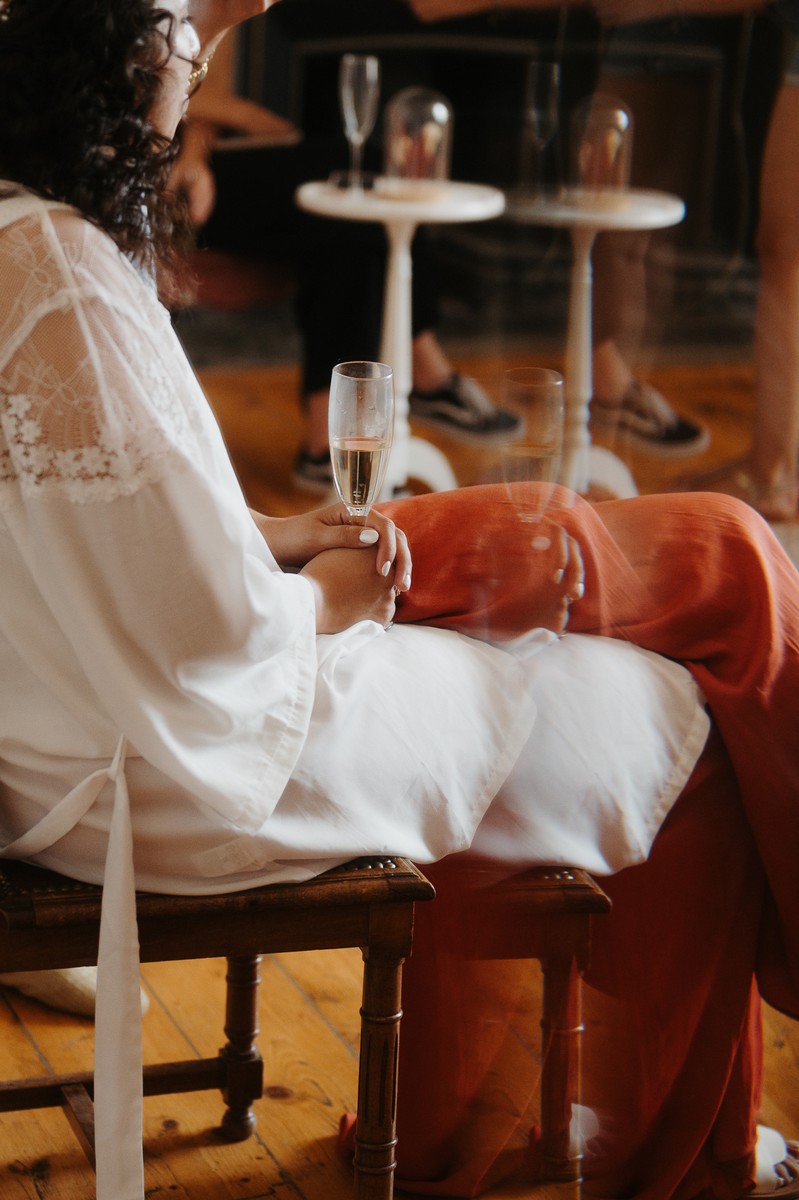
(544, 913)
(50, 921)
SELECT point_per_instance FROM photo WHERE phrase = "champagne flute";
(535, 394)
(540, 123)
(358, 91)
(360, 427)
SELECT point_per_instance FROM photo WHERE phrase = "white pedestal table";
(411, 457)
(585, 213)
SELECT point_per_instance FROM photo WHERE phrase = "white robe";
(144, 616)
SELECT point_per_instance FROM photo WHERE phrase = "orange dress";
(698, 932)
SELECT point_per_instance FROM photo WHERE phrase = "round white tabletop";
(596, 208)
(452, 202)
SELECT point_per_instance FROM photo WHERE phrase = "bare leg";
(776, 433)
(620, 305)
(431, 367)
(620, 403)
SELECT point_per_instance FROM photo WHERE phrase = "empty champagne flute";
(360, 427)
(358, 91)
(535, 394)
(540, 120)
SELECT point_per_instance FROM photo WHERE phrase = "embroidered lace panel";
(96, 397)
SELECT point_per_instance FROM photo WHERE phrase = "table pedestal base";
(608, 473)
(427, 464)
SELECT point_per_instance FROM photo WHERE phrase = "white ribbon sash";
(118, 1104)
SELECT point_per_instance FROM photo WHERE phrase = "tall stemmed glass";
(535, 394)
(540, 123)
(360, 427)
(358, 91)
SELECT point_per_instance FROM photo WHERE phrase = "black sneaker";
(313, 473)
(649, 421)
(462, 409)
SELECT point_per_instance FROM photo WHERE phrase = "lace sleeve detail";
(97, 397)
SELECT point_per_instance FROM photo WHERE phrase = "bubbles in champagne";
(357, 470)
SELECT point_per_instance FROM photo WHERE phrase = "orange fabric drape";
(700, 579)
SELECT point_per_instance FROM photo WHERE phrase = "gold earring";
(196, 77)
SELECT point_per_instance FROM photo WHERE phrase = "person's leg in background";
(621, 403)
(772, 484)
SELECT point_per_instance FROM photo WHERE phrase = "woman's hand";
(295, 541)
(212, 18)
(477, 568)
(348, 589)
(565, 575)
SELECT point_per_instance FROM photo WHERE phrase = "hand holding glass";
(360, 427)
(535, 394)
(359, 91)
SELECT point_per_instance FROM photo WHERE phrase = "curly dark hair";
(77, 81)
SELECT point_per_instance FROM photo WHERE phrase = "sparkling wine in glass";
(359, 92)
(360, 427)
(535, 394)
(540, 119)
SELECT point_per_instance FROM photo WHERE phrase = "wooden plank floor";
(309, 1022)
(257, 408)
(309, 1003)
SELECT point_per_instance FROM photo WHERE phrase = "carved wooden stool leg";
(561, 1025)
(244, 1063)
(376, 1131)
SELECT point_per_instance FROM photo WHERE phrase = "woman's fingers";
(568, 577)
(393, 555)
(574, 574)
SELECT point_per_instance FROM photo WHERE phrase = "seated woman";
(201, 698)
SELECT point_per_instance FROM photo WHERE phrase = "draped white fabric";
(141, 599)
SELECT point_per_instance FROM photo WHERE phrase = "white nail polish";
(541, 542)
(368, 536)
(579, 591)
(558, 576)
(384, 570)
(406, 582)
